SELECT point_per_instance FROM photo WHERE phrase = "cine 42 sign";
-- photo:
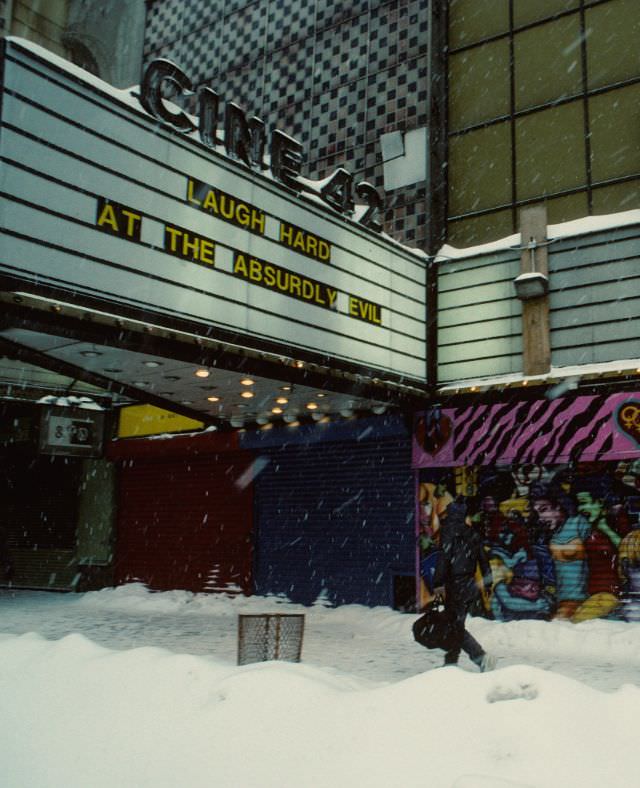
(245, 139)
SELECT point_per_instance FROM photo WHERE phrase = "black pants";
(461, 593)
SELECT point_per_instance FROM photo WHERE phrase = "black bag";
(434, 629)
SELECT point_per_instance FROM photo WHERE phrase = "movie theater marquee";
(105, 196)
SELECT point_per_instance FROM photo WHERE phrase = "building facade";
(492, 123)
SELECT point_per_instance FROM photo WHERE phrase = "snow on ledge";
(588, 224)
(566, 376)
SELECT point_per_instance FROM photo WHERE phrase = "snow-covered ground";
(123, 687)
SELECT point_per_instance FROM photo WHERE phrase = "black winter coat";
(461, 550)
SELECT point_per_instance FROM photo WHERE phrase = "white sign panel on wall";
(102, 202)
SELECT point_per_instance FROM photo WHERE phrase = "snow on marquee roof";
(565, 378)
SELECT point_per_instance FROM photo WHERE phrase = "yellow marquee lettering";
(190, 195)
(242, 214)
(324, 250)
(286, 233)
(255, 270)
(240, 266)
(173, 237)
(257, 221)
(227, 204)
(108, 216)
(282, 280)
(294, 284)
(133, 220)
(190, 246)
(206, 251)
(269, 276)
(210, 203)
(312, 245)
(308, 290)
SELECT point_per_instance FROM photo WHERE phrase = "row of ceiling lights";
(203, 373)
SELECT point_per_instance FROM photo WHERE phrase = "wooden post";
(536, 345)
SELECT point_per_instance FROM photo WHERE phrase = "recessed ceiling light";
(276, 410)
(282, 400)
(311, 406)
(247, 382)
(152, 364)
(90, 353)
(186, 402)
(247, 394)
(172, 377)
(285, 388)
(202, 373)
(140, 384)
(213, 399)
(320, 395)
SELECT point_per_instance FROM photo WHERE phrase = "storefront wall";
(554, 486)
(184, 520)
(334, 512)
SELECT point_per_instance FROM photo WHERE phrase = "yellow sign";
(137, 421)
(305, 242)
(189, 246)
(280, 279)
(112, 217)
(225, 206)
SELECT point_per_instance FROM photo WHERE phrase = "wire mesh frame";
(270, 636)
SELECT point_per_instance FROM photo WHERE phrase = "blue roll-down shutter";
(335, 520)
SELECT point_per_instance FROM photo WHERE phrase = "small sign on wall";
(72, 432)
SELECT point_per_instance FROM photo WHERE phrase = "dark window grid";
(583, 94)
(586, 187)
(512, 126)
(547, 196)
(590, 93)
(585, 108)
(522, 28)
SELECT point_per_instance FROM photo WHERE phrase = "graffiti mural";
(563, 540)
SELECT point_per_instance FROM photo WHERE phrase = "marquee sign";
(106, 200)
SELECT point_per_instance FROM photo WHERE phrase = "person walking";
(462, 551)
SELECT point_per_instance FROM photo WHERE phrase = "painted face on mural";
(549, 513)
(489, 504)
(524, 476)
(589, 507)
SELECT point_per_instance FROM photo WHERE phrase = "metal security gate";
(183, 523)
(335, 521)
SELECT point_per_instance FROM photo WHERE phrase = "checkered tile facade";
(334, 74)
